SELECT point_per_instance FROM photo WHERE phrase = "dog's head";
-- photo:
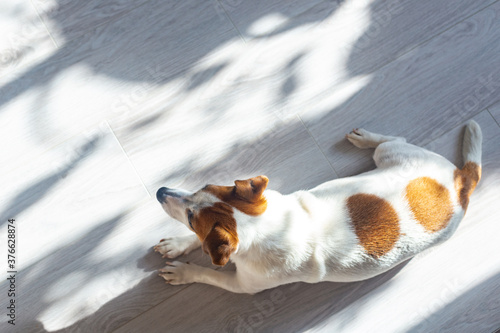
(209, 212)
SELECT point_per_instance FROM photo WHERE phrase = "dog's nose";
(161, 193)
(164, 192)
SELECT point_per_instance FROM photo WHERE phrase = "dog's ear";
(251, 189)
(220, 244)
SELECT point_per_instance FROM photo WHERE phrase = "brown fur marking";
(466, 181)
(375, 222)
(215, 226)
(430, 203)
(246, 195)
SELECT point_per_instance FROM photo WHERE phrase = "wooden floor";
(102, 102)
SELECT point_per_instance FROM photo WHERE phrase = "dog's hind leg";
(364, 139)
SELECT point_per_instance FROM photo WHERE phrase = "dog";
(344, 230)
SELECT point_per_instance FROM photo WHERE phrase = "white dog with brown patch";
(344, 230)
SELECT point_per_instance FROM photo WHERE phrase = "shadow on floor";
(161, 60)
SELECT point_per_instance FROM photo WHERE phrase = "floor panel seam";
(492, 116)
(44, 25)
(128, 158)
(151, 308)
(231, 21)
(317, 145)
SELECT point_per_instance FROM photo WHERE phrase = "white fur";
(472, 143)
(307, 235)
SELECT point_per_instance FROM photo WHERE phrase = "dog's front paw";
(176, 272)
(176, 246)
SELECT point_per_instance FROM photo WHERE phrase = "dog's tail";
(467, 178)
(473, 139)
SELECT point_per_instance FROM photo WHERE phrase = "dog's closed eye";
(190, 215)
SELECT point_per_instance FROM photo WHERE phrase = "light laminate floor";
(101, 103)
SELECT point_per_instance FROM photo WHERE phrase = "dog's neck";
(255, 231)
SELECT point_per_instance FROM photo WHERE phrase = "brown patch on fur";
(466, 181)
(430, 203)
(375, 222)
(215, 226)
(246, 195)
